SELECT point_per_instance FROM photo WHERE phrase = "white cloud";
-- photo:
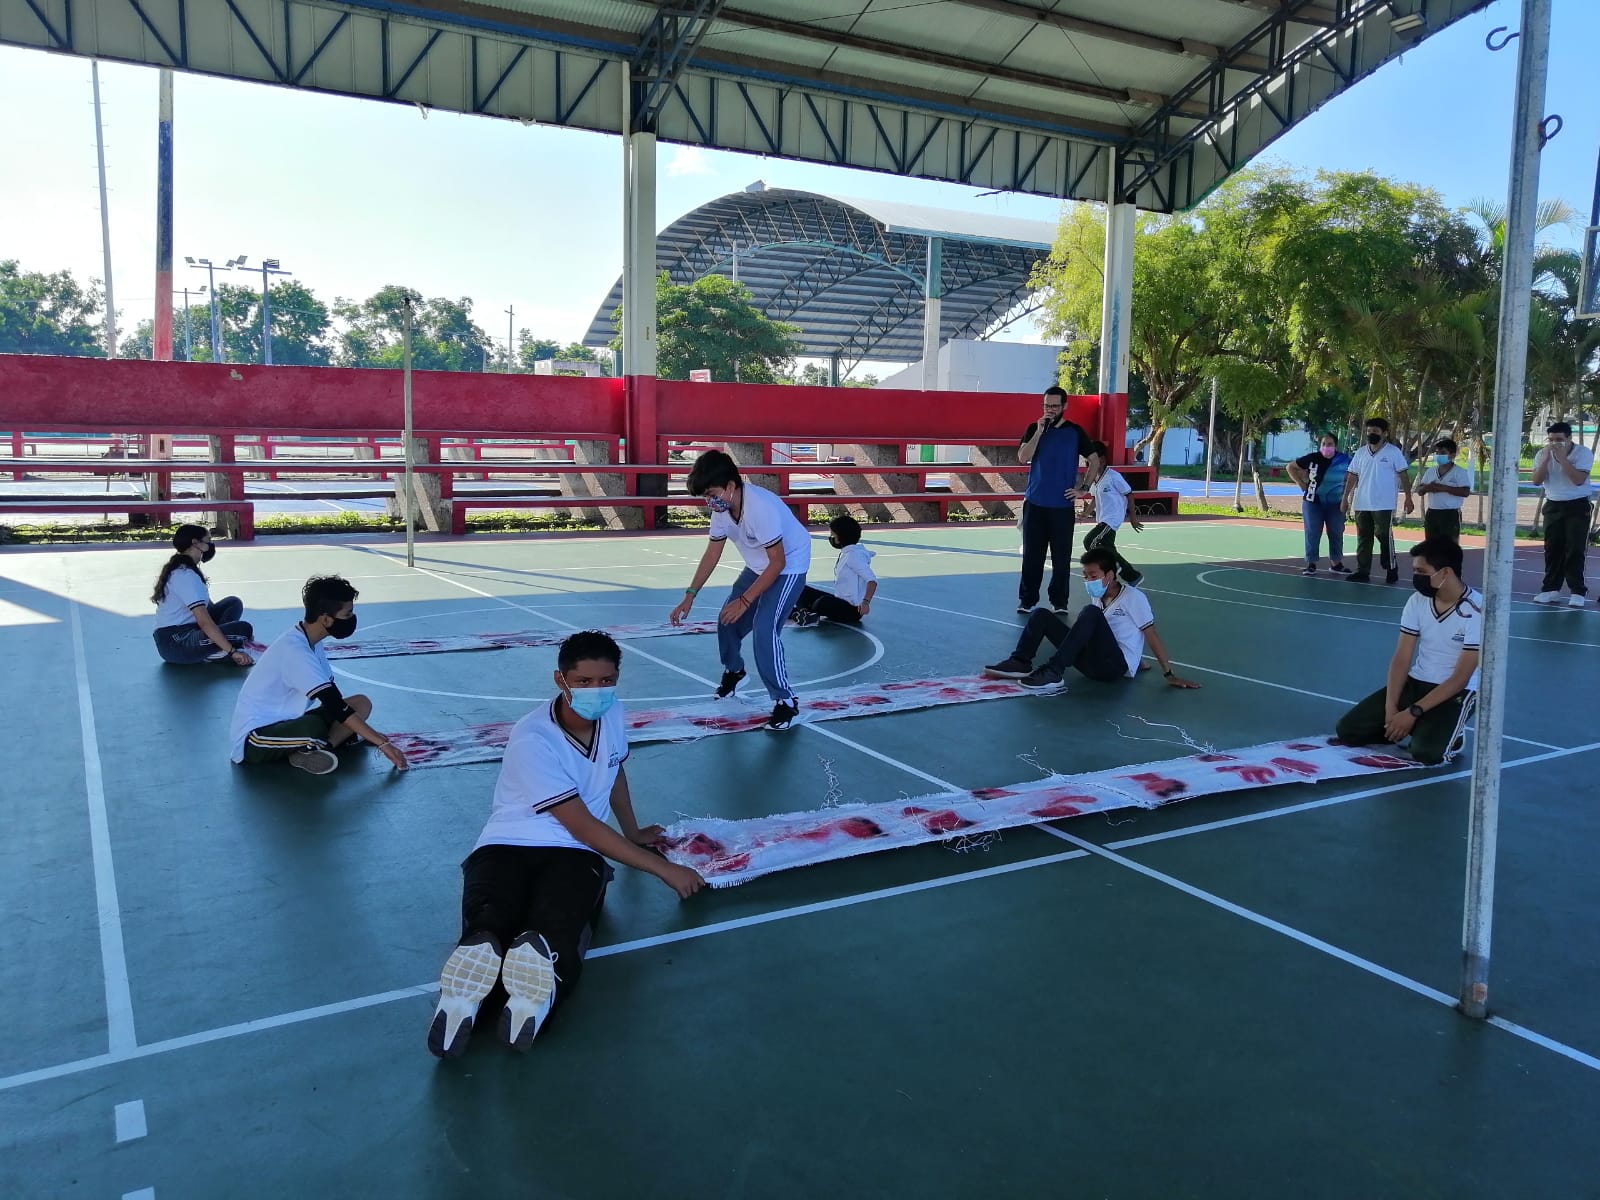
(689, 160)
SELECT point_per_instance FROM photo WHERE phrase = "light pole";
(188, 331)
(269, 266)
(211, 270)
(511, 343)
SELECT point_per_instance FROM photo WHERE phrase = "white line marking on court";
(883, 758)
(113, 956)
(130, 1121)
(1316, 943)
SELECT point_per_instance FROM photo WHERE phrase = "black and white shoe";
(1135, 579)
(469, 975)
(807, 619)
(1309, 569)
(1024, 609)
(529, 975)
(783, 715)
(1011, 668)
(315, 760)
(1044, 679)
(1339, 568)
(730, 680)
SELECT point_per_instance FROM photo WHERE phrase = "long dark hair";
(186, 536)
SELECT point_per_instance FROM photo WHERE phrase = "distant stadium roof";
(849, 273)
(1025, 95)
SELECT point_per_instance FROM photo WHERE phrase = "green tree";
(444, 335)
(712, 324)
(49, 314)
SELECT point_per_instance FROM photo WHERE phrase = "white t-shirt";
(281, 686)
(1441, 639)
(1454, 475)
(852, 571)
(545, 765)
(1129, 615)
(1377, 485)
(1111, 492)
(1556, 484)
(763, 522)
(186, 591)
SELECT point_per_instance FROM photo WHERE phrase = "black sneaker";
(1011, 668)
(807, 620)
(1358, 577)
(1043, 679)
(1135, 579)
(783, 714)
(1339, 569)
(1309, 569)
(1024, 609)
(1392, 576)
(730, 680)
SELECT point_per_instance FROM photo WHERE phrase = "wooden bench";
(246, 509)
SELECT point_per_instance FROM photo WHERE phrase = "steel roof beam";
(668, 46)
(1305, 14)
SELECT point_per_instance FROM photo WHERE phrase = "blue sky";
(351, 195)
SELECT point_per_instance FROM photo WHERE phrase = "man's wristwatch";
(1416, 711)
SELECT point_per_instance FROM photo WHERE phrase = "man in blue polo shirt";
(1051, 448)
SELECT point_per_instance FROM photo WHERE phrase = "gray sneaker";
(1043, 679)
(314, 760)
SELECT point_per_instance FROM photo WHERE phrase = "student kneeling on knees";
(189, 627)
(532, 886)
(1105, 643)
(1434, 662)
(290, 709)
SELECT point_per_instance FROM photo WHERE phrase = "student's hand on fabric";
(734, 609)
(1399, 725)
(241, 658)
(1177, 681)
(677, 615)
(683, 880)
(648, 836)
(392, 752)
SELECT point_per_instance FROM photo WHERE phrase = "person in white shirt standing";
(1562, 468)
(190, 628)
(533, 885)
(1447, 486)
(1373, 481)
(777, 554)
(1108, 492)
(1105, 643)
(854, 583)
(1434, 663)
(290, 709)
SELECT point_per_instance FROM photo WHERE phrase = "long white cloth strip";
(392, 647)
(727, 853)
(707, 718)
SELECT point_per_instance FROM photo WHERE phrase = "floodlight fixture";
(1408, 24)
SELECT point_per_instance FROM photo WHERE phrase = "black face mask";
(1424, 584)
(1374, 438)
(209, 553)
(342, 627)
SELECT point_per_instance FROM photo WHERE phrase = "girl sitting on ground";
(189, 627)
(854, 584)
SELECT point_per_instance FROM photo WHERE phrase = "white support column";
(932, 303)
(639, 254)
(1116, 301)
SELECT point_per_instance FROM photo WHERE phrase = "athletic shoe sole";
(315, 761)
(996, 673)
(468, 976)
(1046, 689)
(529, 976)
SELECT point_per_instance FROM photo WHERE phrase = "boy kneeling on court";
(532, 886)
(290, 709)
(1434, 664)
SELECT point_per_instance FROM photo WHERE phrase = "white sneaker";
(1547, 598)
(314, 760)
(529, 973)
(1575, 601)
(468, 976)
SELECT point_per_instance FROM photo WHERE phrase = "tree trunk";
(1255, 474)
(1238, 473)
(1157, 438)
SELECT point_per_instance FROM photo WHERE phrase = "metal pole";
(411, 495)
(105, 213)
(511, 341)
(188, 330)
(1211, 436)
(216, 318)
(266, 319)
(1516, 282)
(162, 325)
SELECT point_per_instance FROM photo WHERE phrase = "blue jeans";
(765, 619)
(185, 644)
(1318, 516)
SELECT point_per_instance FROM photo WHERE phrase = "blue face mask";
(1442, 459)
(592, 703)
(1095, 587)
(717, 504)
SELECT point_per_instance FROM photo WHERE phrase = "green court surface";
(218, 981)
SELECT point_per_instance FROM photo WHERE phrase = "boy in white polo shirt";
(1562, 468)
(1447, 487)
(1434, 664)
(1372, 484)
(777, 553)
(290, 709)
(532, 886)
(1105, 643)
